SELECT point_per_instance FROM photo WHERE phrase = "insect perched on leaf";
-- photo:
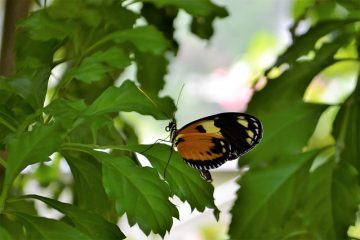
(209, 142)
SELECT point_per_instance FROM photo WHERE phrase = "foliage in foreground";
(301, 184)
(84, 46)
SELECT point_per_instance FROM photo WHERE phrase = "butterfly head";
(171, 127)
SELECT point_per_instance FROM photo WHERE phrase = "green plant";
(302, 185)
(85, 45)
(303, 182)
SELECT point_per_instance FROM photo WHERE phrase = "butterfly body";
(209, 142)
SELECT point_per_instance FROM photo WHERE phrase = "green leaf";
(36, 146)
(32, 86)
(291, 85)
(151, 70)
(203, 26)
(46, 228)
(289, 122)
(286, 131)
(4, 235)
(88, 187)
(331, 201)
(66, 112)
(12, 226)
(138, 192)
(163, 19)
(347, 131)
(41, 26)
(306, 42)
(88, 222)
(29, 59)
(267, 197)
(145, 39)
(94, 67)
(128, 98)
(196, 8)
(184, 181)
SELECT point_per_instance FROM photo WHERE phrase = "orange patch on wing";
(198, 146)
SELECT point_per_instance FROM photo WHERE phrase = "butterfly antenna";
(178, 98)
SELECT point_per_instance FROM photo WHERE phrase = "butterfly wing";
(209, 142)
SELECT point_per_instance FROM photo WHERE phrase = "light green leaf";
(267, 197)
(88, 222)
(49, 229)
(145, 39)
(95, 67)
(151, 70)
(306, 42)
(128, 98)
(184, 181)
(28, 148)
(66, 112)
(138, 192)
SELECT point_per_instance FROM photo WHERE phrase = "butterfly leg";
(205, 174)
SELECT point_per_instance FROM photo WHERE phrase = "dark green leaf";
(41, 26)
(267, 197)
(345, 196)
(88, 187)
(286, 130)
(184, 181)
(46, 228)
(32, 86)
(29, 59)
(151, 70)
(332, 200)
(347, 131)
(138, 192)
(94, 67)
(36, 146)
(163, 19)
(90, 223)
(128, 98)
(196, 8)
(202, 26)
(12, 226)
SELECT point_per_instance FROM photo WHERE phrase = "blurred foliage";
(303, 181)
(83, 46)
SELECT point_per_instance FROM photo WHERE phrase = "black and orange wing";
(209, 142)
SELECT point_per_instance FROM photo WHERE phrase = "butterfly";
(209, 142)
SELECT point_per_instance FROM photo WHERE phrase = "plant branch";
(14, 10)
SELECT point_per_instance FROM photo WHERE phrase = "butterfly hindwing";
(203, 151)
(209, 142)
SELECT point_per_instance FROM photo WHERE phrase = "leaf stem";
(2, 162)
(8, 125)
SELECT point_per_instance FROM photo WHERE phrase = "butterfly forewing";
(209, 142)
